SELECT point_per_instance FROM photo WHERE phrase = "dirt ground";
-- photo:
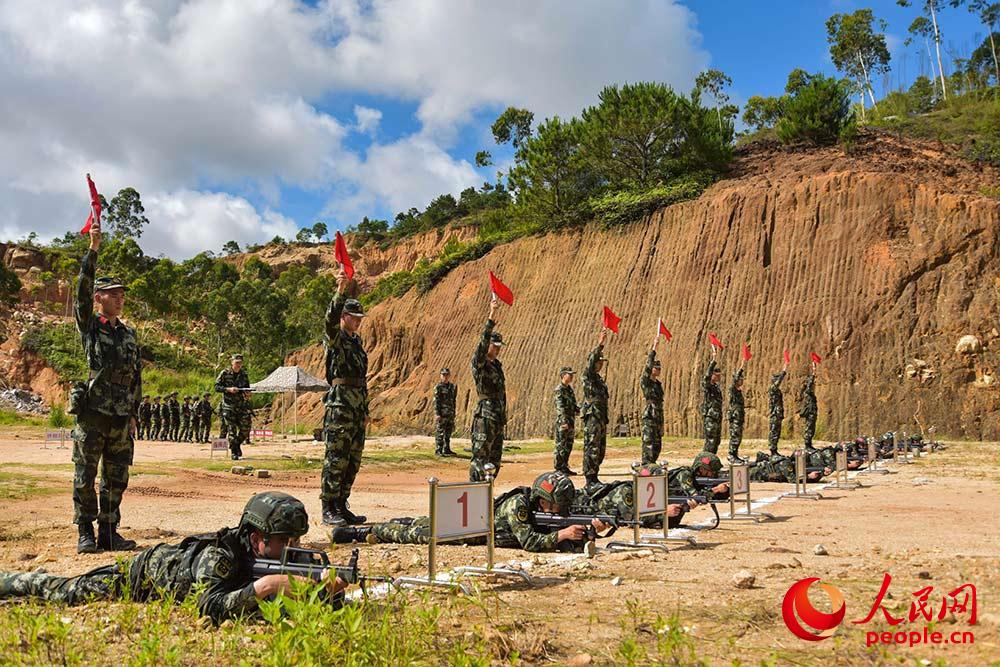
(926, 524)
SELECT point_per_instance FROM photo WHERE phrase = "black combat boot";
(108, 538)
(735, 458)
(348, 534)
(86, 544)
(351, 517)
(332, 515)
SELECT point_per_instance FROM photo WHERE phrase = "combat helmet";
(555, 487)
(708, 460)
(276, 513)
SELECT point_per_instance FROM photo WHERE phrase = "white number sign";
(652, 495)
(741, 480)
(461, 511)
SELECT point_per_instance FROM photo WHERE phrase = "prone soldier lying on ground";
(222, 564)
(514, 527)
(617, 499)
(780, 468)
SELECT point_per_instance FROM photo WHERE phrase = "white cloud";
(196, 221)
(367, 119)
(202, 105)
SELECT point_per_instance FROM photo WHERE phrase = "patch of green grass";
(399, 630)
(19, 486)
(12, 418)
(990, 191)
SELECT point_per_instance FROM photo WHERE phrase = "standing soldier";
(106, 406)
(776, 408)
(737, 415)
(490, 419)
(206, 417)
(595, 412)
(444, 414)
(346, 414)
(566, 412)
(154, 414)
(196, 418)
(145, 417)
(652, 416)
(175, 417)
(711, 407)
(185, 434)
(234, 385)
(809, 409)
(165, 418)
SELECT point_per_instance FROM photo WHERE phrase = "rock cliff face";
(370, 262)
(879, 262)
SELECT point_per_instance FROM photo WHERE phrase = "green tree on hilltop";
(857, 49)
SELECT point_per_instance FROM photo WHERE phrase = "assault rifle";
(577, 516)
(311, 563)
(701, 500)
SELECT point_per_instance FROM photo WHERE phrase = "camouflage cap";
(496, 338)
(276, 513)
(555, 487)
(776, 377)
(657, 364)
(708, 460)
(445, 371)
(236, 357)
(651, 470)
(106, 283)
(353, 307)
(566, 370)
(145, 396)
(208, 394)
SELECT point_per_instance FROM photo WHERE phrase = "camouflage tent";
(287, 379)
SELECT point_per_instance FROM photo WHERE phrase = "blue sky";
(243, 119)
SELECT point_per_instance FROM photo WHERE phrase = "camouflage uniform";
(711, 409)
(195, 419)
(566, 412)
(512, 522)
(185, 432)
(773, 468)
(776, 410)
(595, 416)
(165, 418)
(174, 407)
(737, 414)
(217, 567)
(809, 410)
(205, 409)
(145, 417)
(490, 418)
(102, 434)
(652, 415)
(157, 423)
(235, 407)
(444, 409)
(220, 562)
(346, 406)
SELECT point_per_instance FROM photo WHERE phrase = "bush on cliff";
(818, 113)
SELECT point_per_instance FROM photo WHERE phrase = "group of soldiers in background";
(167, 419)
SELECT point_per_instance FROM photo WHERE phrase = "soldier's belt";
(357, 383)
(116, 377)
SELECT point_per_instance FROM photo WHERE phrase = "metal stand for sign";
(801, 477)
(873, 464)
(739, 485)
(431, 579)
(490, 570)
(906, 449)
(840, 476)
(637, 540)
